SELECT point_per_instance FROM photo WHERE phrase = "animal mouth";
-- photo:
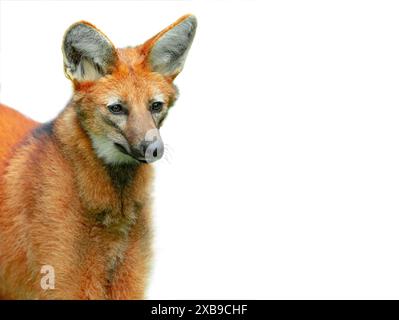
(129, 153)
(122, 149)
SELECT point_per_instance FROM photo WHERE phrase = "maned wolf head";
(123, 95)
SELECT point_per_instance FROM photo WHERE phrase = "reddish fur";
(54, 191)
(14, 126)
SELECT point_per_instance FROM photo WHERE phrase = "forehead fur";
(131, 80)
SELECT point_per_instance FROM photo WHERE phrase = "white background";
(282, 171)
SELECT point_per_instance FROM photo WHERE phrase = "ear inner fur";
(88, 53)
(170, 46)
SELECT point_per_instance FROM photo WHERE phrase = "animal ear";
(88, 53)
(167, 51)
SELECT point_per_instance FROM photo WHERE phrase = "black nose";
(152, 150)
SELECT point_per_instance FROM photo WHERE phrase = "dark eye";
(116, 108)
(156, 106)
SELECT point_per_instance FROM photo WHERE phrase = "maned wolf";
(75, 192)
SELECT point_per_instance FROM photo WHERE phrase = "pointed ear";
(167, 51)
(88, 53)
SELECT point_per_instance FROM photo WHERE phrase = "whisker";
(168, 154)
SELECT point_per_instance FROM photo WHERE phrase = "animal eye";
(156, 106)
(116, 108)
